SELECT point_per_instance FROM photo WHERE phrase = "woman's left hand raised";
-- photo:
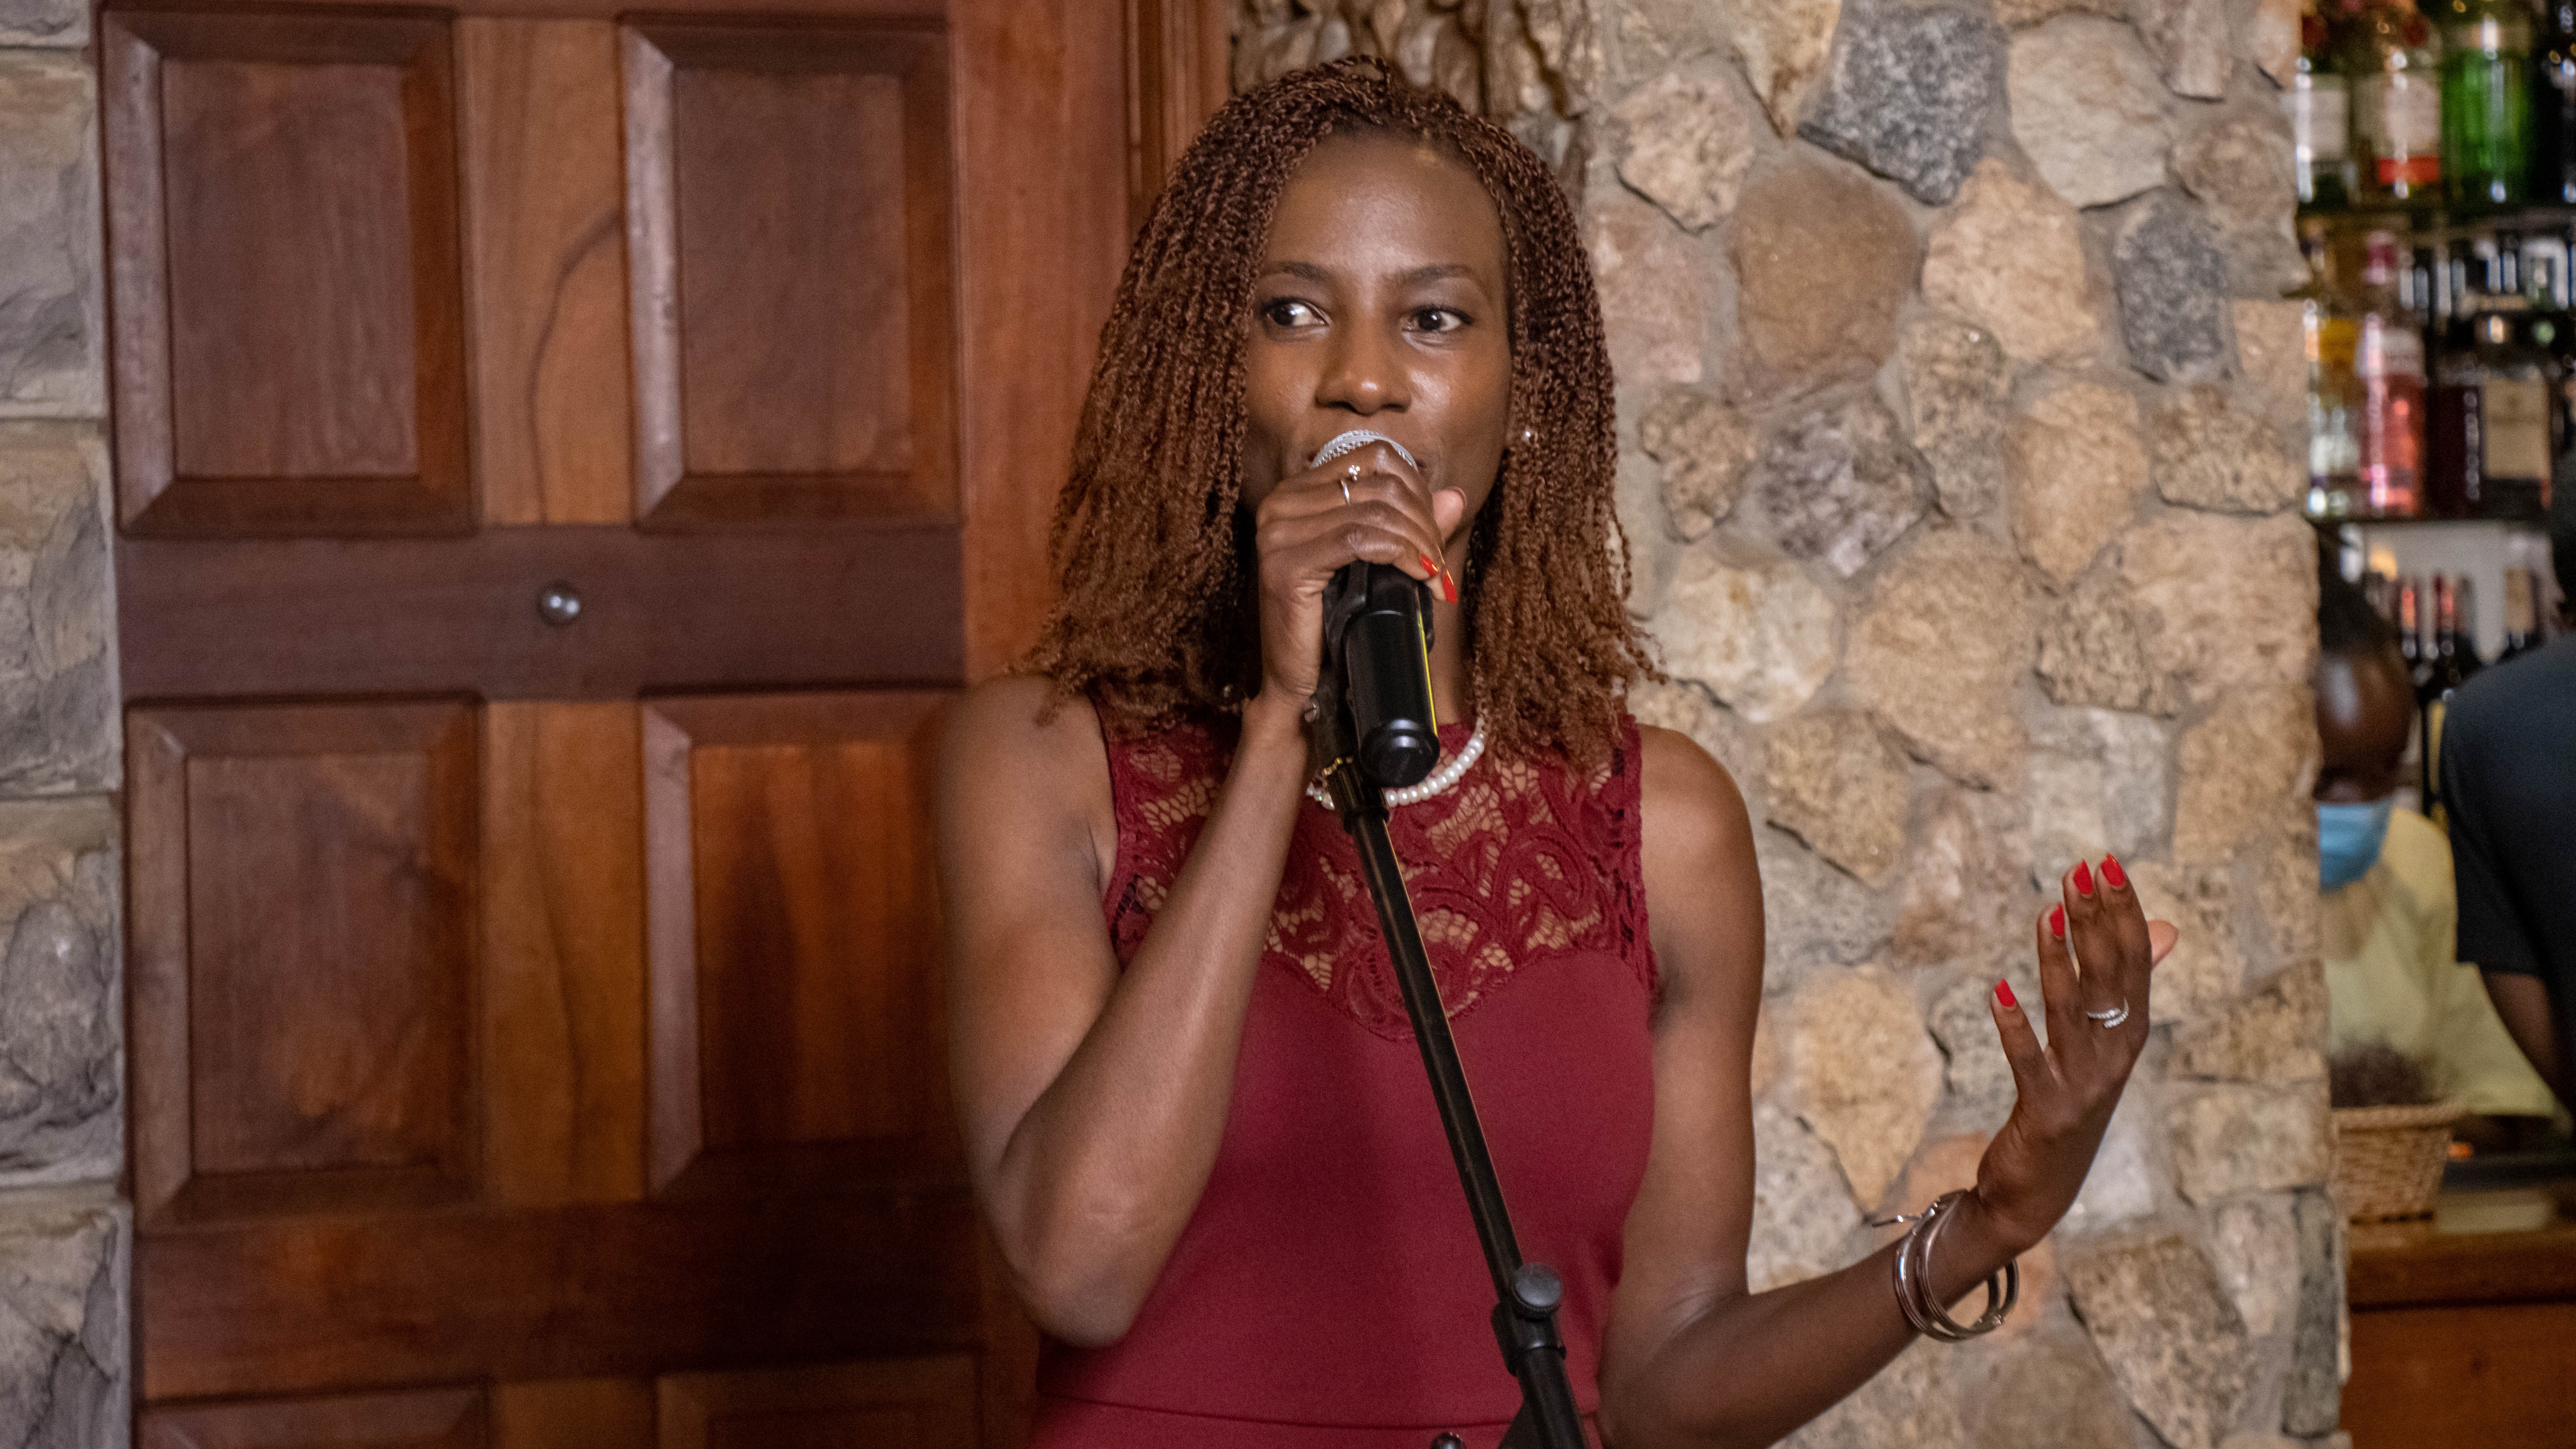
(2067, 1088)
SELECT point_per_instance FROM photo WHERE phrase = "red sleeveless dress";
(1329, 1290)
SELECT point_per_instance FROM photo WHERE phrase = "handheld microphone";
(1377, 653)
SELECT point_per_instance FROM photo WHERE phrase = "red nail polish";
(2111, 872)
(2083, 879)
(1449, 585)
(2057, 922)
(1428, 566)
(2003, 993)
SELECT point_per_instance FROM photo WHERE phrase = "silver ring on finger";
(2110, 1018)
(1346, 490)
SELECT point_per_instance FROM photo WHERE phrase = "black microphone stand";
(1527, 1294)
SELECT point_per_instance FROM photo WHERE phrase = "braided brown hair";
(1157, 613)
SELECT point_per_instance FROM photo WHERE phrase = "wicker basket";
(2388, 1160)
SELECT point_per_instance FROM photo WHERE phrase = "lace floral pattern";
(1520, 864)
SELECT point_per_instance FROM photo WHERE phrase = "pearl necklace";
(1437, 782)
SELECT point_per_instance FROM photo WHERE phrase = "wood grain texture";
(2501, 1376)
(921, 1403)
(659, 611)
(794, 328)
(794, 921)
(290, 347)
(592, 1290)
(1042, 243)
(573, 1414)
(310, 905)
(1177, 77)
(563, 953)
(2410, 1264)
(546, 269)
(426, 1419)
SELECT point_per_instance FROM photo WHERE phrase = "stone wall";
(64, 1236)
(1960, 421)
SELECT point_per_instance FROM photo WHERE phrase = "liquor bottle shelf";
(2434, 224)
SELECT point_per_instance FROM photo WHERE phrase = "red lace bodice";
(1327, 1292)
(1519, 864)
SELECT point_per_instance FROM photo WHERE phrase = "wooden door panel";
(545, 248)
(563, 950)
(793, 321)
(290, 352)
(426, 1419)
(313, 1304)
(303, 893)
(573, 1414)
(796, 1024)
(833, 606)
(924, 1403)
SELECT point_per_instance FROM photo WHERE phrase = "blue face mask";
(2348, 840)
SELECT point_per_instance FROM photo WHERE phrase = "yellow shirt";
(2390, 976)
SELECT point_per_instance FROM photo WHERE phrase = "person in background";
(2388, 913)
(2509, 789)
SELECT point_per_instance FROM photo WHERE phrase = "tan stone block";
(51, 344)
(1782, 47)
(1691, 136)
(2010, 255)
(1863, 1073)
(2275, 1036)
(1909, 1402)
(2055, 1394)
(2164, 1326)
(1834, 783)
(1654, 294)
(1956, 383)
(2271, 348)
(64, 1284)
(2209, 455)
(1706, 449)
(2234, 1140)
(58, 729)
(60, 1037)
(2076, 466)
(1968, 897)
(1803, 1218)
(2205, 970)
(1824, 259)
(1762, 637)
(2234, 601)
(2254, 1244)
(1940, 650)
(2088, 109)
(2242, 767)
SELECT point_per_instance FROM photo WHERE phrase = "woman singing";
(1195, 1117)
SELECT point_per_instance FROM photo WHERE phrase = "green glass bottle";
(2486, 102)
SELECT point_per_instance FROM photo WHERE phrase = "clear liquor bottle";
(2486, 102)
(2521, 615)
(2319, 104)
(2333, 338)
(2390, 61)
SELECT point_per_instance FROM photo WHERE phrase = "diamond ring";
(2110, 1018)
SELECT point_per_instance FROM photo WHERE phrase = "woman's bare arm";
(1692, 1358)
(1094, 1099)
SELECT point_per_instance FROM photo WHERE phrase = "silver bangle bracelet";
(1914, 1297)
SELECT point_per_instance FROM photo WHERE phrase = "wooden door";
(565, 461)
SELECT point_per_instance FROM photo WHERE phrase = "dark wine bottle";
(2454, 661)
(2410, 631)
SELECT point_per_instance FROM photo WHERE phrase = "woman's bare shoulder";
(1016, 751)
(1687, 796)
